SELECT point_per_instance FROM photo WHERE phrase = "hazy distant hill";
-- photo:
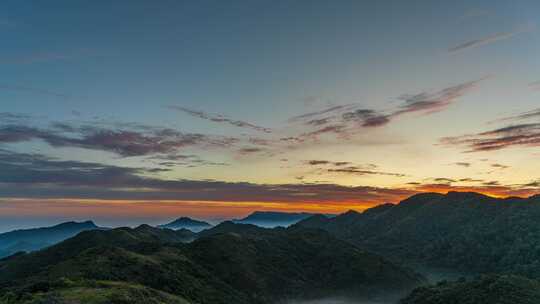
(244, 229)
(187, 223)
(491, 289)
(227, 267)
(465, 231)
(273, 219)
(37, 238)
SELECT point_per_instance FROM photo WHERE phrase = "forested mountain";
(462, 231)
(223, 267)
(270, 219)
(186, 223)
(492, 289)
(37, 238)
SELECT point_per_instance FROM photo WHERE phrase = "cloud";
(429, 103)
(26, 168)
(470, 180)
(535, 86)
(337, 129)
(463, 164)
(124, 142)
(345, 167)
(181, 160)
(250, 150)
(444, 180)
(346, 120)
(354, 170)
(500, 166)
(328, 110)
(220, 119)
(33, 90)
(6, 117)
(520, 135)
(485, 40)
(489, 188)
(318, 162)
(327, 163)
(523, 116)
(34, 175)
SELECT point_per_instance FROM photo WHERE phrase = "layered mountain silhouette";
(462, 231)
(232, 264)
(354, 255)
(273, 219)
(187, 223)
(38, 238)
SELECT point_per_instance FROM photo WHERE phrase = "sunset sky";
(136, 111)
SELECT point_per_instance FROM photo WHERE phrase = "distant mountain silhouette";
(38, 238)
(187, 223)
(463, 231)
(250, 265)
(236, 228)
(273, 219)
(492, 289)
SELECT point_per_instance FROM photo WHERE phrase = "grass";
(100, 292)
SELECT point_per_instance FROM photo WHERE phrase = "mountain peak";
(465, 195)
(186, 223)
(38, 238)
(74, 224)
(351, 212)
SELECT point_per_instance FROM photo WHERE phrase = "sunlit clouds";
(217, 111)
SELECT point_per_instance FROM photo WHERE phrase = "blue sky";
(435, 76)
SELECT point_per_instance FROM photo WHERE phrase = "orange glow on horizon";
(493, 191)
(163, 208)
(89, 208)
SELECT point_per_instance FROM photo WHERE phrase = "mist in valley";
(343, 301)
(391, 297)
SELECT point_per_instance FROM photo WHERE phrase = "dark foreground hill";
(37, 238)
(491, 289)
(229, 267)
(187, 223)
(461, 231)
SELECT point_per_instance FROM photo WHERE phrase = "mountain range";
(224, 266)
(38, 238)
(186, 223)
(493, 243)
(468, 232)
(270, 219)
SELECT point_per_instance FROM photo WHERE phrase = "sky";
(135, 111)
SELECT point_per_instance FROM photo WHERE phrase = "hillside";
(230, 267)
(37, 238)
(462, 231)
(187, 223)
(96, 292)
(270, 219)
(491, 289)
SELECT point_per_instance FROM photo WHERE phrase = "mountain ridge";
(235, 266)
(271, 219)
(463, 231)
(37, 238)
(186, 223)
